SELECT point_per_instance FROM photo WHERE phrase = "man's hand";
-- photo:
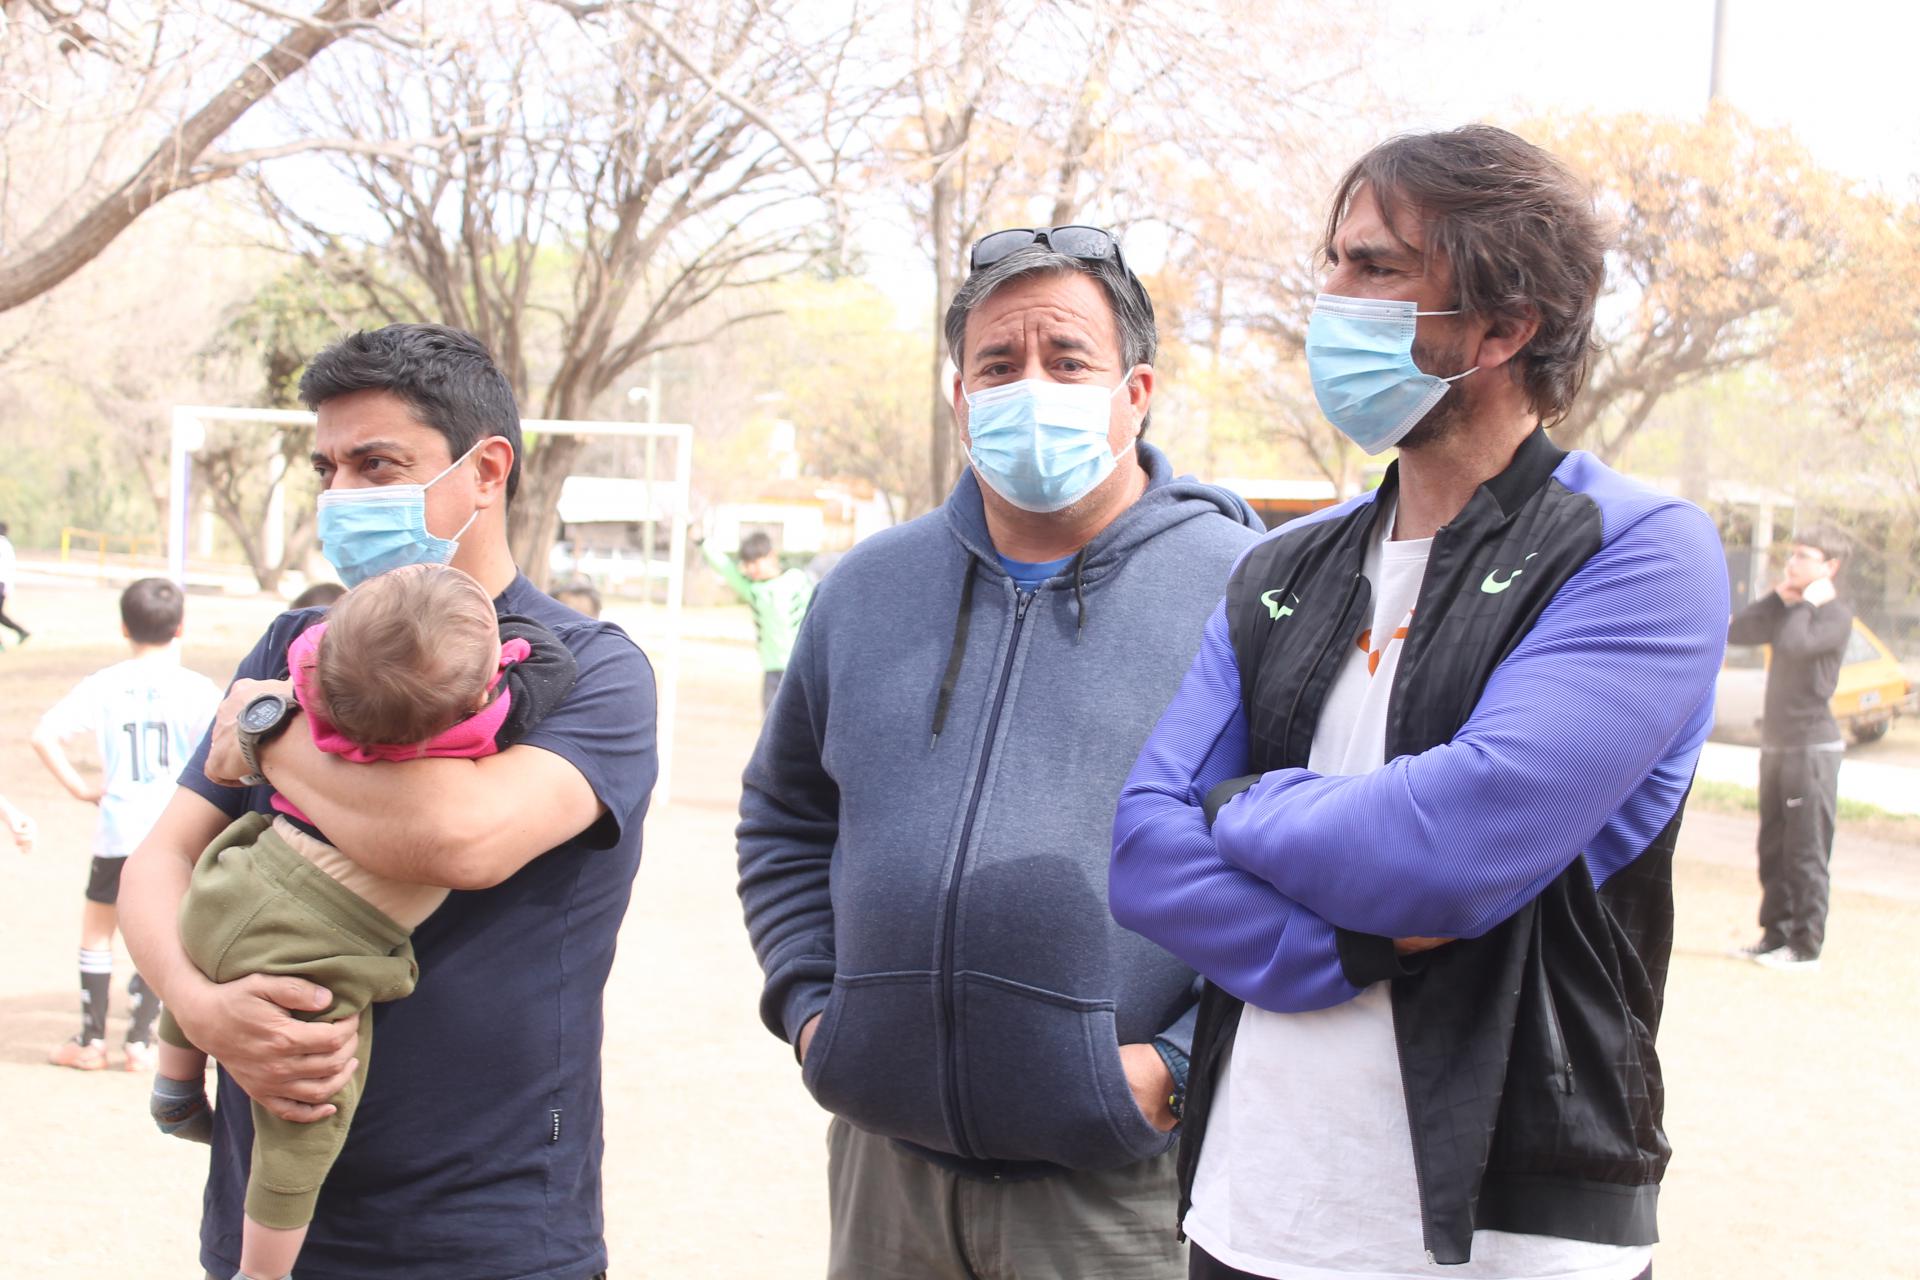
(1414, 946)
(1788, 593)
(1151, 1082)
(288, 1066)
(806, 1037)
(22, 829)
(90, 791)
(1818, 592)
(225, 764)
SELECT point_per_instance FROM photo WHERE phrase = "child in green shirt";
(778, 600)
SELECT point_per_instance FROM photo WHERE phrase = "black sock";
(96, 977)
(144, 1008)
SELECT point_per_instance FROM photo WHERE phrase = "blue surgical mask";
(365, 532)
(1360, 357)
(1042, 445)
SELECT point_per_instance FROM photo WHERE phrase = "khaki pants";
(898, 1217)
(256, 906)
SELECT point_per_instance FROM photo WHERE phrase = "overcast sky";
(1841, 73)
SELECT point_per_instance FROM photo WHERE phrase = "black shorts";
(103, 883)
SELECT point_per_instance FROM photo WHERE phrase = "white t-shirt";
(6, 563)
(146, 715)
(1307, 1169)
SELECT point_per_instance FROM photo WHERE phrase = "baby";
(410, 663)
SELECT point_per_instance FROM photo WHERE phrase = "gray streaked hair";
(1132, 311)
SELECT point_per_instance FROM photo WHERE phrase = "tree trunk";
(940, 433)
(533, 522)
(170, 167)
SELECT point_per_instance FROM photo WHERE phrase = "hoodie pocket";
(873, 1060)
(1042, 1080)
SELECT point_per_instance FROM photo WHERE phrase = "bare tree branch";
(169, 168)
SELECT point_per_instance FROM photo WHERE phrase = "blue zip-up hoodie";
(924, 829)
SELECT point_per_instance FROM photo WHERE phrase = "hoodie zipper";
(1024, 599)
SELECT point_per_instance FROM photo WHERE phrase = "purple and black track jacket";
(1552, 696)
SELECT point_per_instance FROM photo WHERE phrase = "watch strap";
(1177, 1066)
(249, 741)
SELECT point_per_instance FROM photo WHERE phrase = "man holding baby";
(476, 1146)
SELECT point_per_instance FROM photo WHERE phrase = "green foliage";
(270, 337)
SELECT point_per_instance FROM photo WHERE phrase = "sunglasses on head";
(1090, 244)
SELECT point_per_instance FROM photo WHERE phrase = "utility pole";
(1696, 464)
(1716, 76)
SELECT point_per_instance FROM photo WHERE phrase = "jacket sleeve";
(1808, 631)
(1612, 684)
(1755, 624)
(1168, 882)
(539, 684)
(789, 823)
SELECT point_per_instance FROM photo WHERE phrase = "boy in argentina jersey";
(145, 716)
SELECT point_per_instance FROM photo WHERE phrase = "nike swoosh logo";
(1276, 610)
(1493, 584)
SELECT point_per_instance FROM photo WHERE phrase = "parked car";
(1872, 690)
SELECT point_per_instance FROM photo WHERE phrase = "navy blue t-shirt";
(475, 1153)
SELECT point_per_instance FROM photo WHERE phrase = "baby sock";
(180, 1108)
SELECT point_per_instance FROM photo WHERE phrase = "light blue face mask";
(1360, 357)
(1042, 445)
(365, 532)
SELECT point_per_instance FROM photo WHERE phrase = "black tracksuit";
(1800, 755)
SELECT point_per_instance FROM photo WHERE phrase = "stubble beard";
(1451, 412)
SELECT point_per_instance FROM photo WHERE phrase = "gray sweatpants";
(898, 1217)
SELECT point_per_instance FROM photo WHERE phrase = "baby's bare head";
(407, 655)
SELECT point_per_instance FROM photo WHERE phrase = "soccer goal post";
(189, 433)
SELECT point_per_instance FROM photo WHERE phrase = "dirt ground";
(1792, 1121)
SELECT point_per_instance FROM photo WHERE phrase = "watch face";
(262, 713)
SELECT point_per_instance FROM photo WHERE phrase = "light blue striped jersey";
(145, 715)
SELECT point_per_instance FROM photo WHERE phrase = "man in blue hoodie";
(923, 834)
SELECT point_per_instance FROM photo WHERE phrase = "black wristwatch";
(261, 720)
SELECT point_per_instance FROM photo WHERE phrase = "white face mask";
(365, 532)
(1360, 357)
(1042, 445)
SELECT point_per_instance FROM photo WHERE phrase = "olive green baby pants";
(256, 906)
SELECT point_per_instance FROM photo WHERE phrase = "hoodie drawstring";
(1079, 598)
(956, 655)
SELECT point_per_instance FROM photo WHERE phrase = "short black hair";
(151, 609)
(3, 528)
(318, 596)
(1133, 321)
(755, 545)
(1832, 543)
(585, 590)
(445, 375)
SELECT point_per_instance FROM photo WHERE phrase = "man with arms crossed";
(1412, 813)
(923, 833)
(476, 1149)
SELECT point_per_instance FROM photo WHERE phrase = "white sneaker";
(1787, 960)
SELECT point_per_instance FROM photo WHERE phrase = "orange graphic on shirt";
(1365, 641)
